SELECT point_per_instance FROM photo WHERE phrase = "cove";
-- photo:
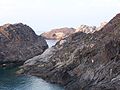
(10, 81)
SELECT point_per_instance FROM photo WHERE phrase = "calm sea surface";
(10, 81)
(51, 42)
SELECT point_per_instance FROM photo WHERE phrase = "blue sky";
(44, 15)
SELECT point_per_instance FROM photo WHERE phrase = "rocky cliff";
(82, 61)
(18, 42)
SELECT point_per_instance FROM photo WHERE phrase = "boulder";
(18, 43)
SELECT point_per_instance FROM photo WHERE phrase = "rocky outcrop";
(57, 34)
(101, 25)
(86, 29)
(18, 42)
(82, 61)
(90, 29)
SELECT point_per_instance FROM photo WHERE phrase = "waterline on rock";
(10, 81)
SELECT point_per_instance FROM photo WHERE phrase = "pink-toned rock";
(57, 34)
(86, 29)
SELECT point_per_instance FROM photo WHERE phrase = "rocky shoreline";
(82, 61)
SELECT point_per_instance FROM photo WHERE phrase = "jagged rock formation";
(101, 25)
(18, 42)
(82, 61)
(90, 29)
(86, 29)
(57, 34)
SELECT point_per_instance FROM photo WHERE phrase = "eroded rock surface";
(82, 61)
(57, 34)
(18, 42)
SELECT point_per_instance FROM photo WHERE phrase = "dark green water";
(10, 81)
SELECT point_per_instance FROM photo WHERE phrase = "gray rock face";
(18, 42)
(82, 61)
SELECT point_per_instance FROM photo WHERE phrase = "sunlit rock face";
(86, 29)
(57, 34)
(18, 42)
(101, 25)
(61, 33)
(90, 29)
(82, 61)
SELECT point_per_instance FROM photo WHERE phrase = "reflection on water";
(10, 81)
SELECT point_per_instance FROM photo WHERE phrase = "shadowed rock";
(18, 42)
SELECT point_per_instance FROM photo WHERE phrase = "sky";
(44, 15)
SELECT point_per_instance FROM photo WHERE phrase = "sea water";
(10, 81)
(51, 42)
